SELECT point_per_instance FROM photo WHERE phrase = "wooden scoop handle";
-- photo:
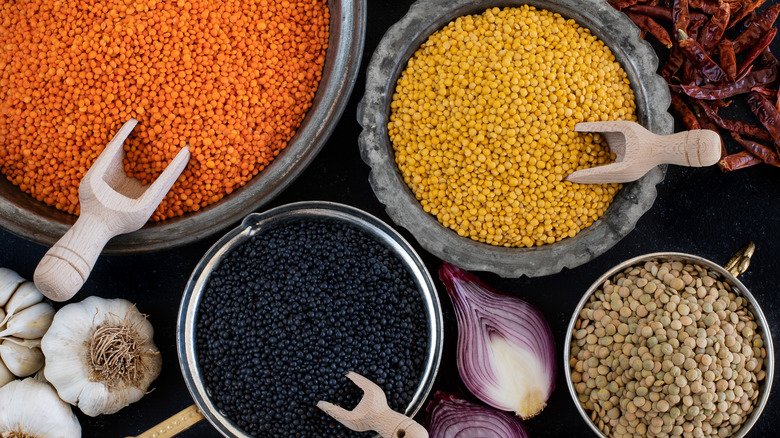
(65, 267)
(174, 425)
(695, 148)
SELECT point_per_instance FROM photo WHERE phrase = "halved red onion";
(506, 350)
(450, 416)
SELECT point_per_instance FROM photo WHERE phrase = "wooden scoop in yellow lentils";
(482, 123)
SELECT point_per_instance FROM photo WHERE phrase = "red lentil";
(232, 79)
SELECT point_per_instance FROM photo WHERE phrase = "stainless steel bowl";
(257, 222)
(390, 58)
(32, 220)
(726, 276)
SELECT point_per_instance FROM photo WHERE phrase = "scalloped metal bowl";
(32, 220)
(390, 58)
(728, 278)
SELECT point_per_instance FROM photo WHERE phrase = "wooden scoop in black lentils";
(290, 311)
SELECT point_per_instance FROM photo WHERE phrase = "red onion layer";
(450, 416)
(506, 350)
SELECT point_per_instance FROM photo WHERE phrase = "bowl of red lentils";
(669, 344)
(253, 89)
(468, 127)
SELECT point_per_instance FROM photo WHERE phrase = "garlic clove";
(30, 323)
(96, 399)
(6, 375)
(25, 296)
(20, 360)
(9, 281)
(29, 343)
(32, 408)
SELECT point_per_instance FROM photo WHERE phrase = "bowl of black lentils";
(282, 307)
(468, 126)
(669, 344)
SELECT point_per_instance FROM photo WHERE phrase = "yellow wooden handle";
(174, 425)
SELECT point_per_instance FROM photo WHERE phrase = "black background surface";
(697, 211)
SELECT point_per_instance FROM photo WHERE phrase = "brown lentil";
(700, 382)
(482, 122)
(231, 79)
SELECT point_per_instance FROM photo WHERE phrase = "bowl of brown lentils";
(669, 344)
(468, 127)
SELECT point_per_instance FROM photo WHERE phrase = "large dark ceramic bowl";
(30, 219)
(390, 58)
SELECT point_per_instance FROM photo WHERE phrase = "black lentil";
(287, 313)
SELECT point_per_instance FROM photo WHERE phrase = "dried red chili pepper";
(684, 113)
(747, 8)
(758, 78)
(769, 93)
(709, 7)
(654, 12)
(756, 50)
(756, 28)
(696, 53)
(712, 32)
(621, 4)
(680, 15)
(735, 126)
(673, 63)
(740, 160)
(766, 154)
(652, 27)
(745, 73)
(766, 113)
(706, 123)
(767, 59)
(728, 59)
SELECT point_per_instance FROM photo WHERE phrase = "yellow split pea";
(482, 123)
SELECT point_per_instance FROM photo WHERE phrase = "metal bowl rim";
(255, 223)
(705, 263)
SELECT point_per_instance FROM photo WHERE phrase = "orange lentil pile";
(233, 79)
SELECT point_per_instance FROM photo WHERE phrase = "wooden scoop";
(638, 150)
(111, 203)
(372, 413)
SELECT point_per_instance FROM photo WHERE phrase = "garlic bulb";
(100, 355)
(32, 409)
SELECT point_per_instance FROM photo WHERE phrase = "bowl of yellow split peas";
(468, 126)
